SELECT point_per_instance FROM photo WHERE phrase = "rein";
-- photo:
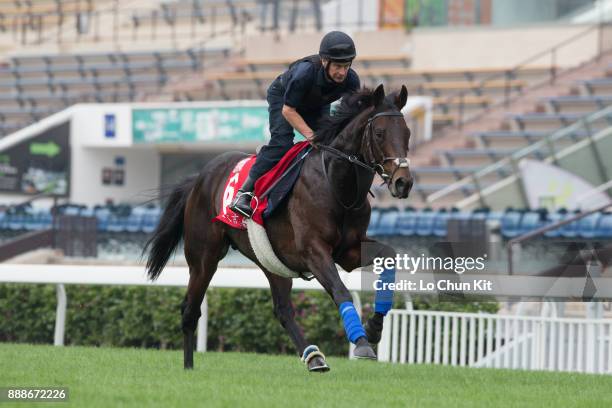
(374, 167)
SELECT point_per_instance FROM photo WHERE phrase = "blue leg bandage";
(352, 323)
(384, 296)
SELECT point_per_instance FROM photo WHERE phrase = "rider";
(298, 99)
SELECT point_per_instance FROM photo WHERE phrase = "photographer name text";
(445, 285)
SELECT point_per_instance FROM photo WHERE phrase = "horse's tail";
(169, 231)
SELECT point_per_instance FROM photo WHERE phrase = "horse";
(311, 231)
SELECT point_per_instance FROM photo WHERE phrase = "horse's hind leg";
(285, 313)
(203, 256)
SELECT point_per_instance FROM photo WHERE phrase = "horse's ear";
(401, 98)
(378, 96)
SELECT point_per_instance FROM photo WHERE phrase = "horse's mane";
(352, 104)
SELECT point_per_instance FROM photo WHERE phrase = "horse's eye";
(379, 133)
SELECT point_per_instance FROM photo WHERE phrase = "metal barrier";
(544, 229)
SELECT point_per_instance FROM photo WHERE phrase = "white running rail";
(498, 341)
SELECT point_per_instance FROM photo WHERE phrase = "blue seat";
(103, 215)
(72, 210)
(16, 222)
(510, 224)
(406, 223)
(135, 220)
(31, 222)
(151, 219)
(386, 224)
(569, 230)
(479, 215)
(117, 224)
(425, 223)
(45, 220)
(87, 212)
(440, 224)
(374, 217)
(587, 226)
(531, 221)
(604, 228)
(553, 218)
(494, 216)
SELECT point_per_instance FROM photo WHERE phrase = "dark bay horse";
(322, 223)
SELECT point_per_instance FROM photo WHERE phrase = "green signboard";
(38, 165)
(185, 125)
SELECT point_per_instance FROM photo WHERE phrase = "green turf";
(107, 377)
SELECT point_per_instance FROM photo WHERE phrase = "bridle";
(400, 162)
(373, 165)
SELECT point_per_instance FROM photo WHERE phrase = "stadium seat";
(510, 224)
(531, 221)
(135, 220)
(103, 215)
(151, 219)
(440, 225)
(387, 222)
(374, 217)
(425, 223)
(587, 226)
(406, 223)
(604, 228)
(569, 230)
(553, 218)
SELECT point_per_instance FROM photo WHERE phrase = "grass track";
(107, 377)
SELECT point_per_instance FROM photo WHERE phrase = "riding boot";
(242, 202)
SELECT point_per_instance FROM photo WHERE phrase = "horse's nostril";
(403, 186)
(399, 184)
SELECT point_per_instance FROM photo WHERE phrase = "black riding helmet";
(338, 47)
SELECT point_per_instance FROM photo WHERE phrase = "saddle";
(270, 189)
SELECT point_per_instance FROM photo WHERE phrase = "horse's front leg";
(318, 257)
(356, 257)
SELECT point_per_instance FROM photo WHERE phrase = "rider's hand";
(310, 136)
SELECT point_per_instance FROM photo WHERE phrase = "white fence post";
(203, 327)
(60, 315)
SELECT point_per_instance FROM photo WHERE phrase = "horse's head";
(385, 141)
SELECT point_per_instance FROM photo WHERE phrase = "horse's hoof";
(373, 333)
(363, 350)
(318, 365)
(314, 359)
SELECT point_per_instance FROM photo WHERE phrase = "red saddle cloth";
(236, 179)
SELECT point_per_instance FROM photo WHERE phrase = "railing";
(543, 148)
(483, 340)
(510, 91)
(542, 230)
(31, 240)
(60, 275)
(84, 22)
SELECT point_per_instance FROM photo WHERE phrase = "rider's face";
(338, 71)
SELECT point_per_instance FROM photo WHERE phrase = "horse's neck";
(348, 140)
(342, 173)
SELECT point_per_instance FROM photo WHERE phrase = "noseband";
(374, 166)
